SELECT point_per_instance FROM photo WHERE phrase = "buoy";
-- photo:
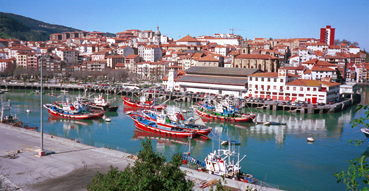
(28, 111)
(108, 120)
(310, 139)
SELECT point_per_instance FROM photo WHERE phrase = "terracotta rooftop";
(255, 56)
(208, 58)
(187, 38)
(322, 68)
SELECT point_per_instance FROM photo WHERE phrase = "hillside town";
(303, 69)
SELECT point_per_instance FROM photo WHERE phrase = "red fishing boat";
(153, 127)
(176, 120)
(71, 114)
(216, 116)
(145, 105)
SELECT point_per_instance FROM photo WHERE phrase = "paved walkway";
(71, 167)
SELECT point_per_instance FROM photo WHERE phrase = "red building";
(327, 35)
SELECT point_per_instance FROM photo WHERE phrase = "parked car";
(314, 106)
(283, 103)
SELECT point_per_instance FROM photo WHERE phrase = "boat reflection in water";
(299, 125)
(69, 124)
(160, 139)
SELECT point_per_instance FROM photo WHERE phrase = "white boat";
(310, 139)
(216, 163)
(64, 91)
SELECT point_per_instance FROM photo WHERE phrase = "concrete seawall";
(70, 166)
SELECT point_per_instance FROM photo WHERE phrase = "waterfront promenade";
(71, 166)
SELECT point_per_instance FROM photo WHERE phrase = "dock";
(70, 165)
(186, 97)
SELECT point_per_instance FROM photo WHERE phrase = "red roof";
(187, 38)
(256, 56)
(132, 56)
(208, 58)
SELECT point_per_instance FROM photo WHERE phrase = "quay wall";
(190, 98)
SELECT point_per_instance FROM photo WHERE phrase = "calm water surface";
(280, 155)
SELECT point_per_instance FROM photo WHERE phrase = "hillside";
(24, 28)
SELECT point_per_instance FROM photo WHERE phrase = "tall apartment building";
(327, 35)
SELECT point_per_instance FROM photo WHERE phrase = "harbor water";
(278, 155)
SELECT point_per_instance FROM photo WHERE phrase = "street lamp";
(41, 152)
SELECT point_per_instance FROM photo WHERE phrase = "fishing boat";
(153, 127)
(216, 164)
(223, 111)
(176, 119)
(69, 111)
(219, 115)
(145, 105)
(101, 104)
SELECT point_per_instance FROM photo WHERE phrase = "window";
(314, 89)
(250, 86)
(308, 89)
(256, 78)
(301, 89)
(288, 87)
(268, 79)
(281, 80)
(274, 87)
(250, 78)
(275, 79)
(294, 88)
(262, 79)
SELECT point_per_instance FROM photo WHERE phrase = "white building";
(284, 86)
(220, 39)
(222, 50)
(317, 46)
(150, 53)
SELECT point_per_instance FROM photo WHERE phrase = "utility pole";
(41, 152)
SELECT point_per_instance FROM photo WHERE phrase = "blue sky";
(176, 19)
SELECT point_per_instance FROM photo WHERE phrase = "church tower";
(245, 47)
(157, 36)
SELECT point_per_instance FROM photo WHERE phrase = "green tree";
(358, 170)
(150, 172)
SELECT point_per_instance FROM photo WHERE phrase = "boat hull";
(148, 128)
(203, 131)
(244, 118)
(128, 102)
(72, 116)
